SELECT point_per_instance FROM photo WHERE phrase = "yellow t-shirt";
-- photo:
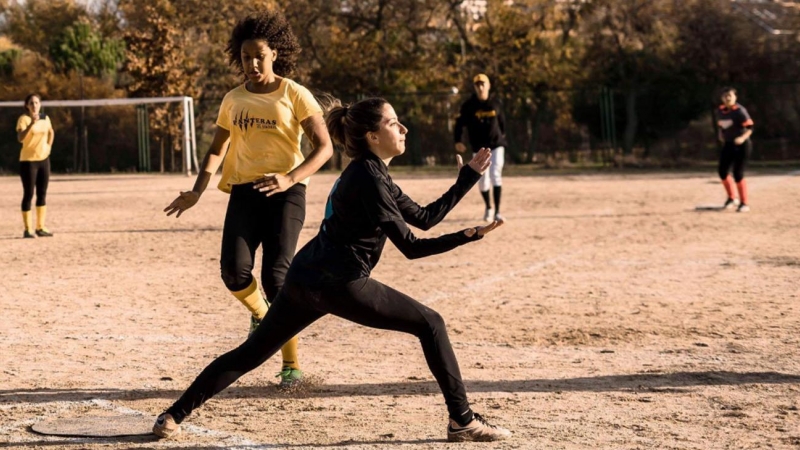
(34, 146)
(265, 131)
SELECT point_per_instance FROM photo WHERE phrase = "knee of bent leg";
(435, 322)
(235, 276)
(738, 175)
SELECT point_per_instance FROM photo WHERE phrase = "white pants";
(494, 175)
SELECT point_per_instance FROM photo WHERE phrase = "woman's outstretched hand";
(184, 201)
(483, 230)
(480, 161)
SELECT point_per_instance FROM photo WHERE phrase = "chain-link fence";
(662, 125)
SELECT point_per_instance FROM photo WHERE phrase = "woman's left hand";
(273, 183)
(483, 230)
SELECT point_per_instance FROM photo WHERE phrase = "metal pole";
(187, 139)
(194, 138)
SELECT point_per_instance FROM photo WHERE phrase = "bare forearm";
(211, 163)
(314, 127)
(746, 135)
(24, 133)
(312, 164)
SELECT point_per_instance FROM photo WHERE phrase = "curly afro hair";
(272, 27)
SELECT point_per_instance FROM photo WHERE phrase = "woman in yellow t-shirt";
(264, 170)
(36, 134)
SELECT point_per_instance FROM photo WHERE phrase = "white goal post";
(189, 139)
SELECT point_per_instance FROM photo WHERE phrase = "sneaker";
(743, 208)
(166, 427)
(487, 215)
(499, 218)
(27, 235)
(479, 430)
(289, 377)
(253, 325)
(730, 203)
(43, 233)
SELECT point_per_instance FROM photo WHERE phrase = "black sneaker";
(27, 235)
(743, 208)
(730, 203)
(42, 232)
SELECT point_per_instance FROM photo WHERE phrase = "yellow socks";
(27, 219)
(41, 213)
(289, 353)
(252, 299)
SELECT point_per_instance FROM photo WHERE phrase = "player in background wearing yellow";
(734, 130)
(264, 170)
(36, 134)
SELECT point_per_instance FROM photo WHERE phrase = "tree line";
(568, 71)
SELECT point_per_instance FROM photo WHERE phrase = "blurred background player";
(483, 117)
(36, 134)
(264, 170)
(331, 274)
(734, 130)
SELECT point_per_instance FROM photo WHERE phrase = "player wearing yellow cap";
(482, 116)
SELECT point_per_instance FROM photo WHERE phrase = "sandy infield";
(606, 313)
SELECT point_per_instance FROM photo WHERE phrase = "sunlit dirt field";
(606, 313)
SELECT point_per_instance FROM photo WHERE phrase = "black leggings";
(736, 155)
(254, 219)
(34, 174)
(363, 301)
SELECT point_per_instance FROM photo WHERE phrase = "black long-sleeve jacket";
(364, 208)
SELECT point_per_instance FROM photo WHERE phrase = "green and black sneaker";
(253, 325)
(289, 377)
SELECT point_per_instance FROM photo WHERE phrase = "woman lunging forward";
(331, 274)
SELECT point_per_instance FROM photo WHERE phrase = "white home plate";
(96, 426)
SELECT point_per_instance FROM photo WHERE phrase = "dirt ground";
(607, 313)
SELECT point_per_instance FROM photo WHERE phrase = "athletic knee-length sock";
(728, 184)
(485, 195)
(27, 220)
(289, 354)
(41, 214)
(497, 191)
(742, 188)
(252, 299)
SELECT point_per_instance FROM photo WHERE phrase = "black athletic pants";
(34, 174)
(254, 219)
(363, 301)
(736, 155)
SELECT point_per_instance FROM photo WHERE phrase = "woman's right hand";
(480, 161)
(184, 201)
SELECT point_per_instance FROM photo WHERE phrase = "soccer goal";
(189, 146)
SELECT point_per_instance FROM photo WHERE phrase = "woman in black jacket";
(331, 274)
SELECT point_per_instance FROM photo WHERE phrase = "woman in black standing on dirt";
(331, 274)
